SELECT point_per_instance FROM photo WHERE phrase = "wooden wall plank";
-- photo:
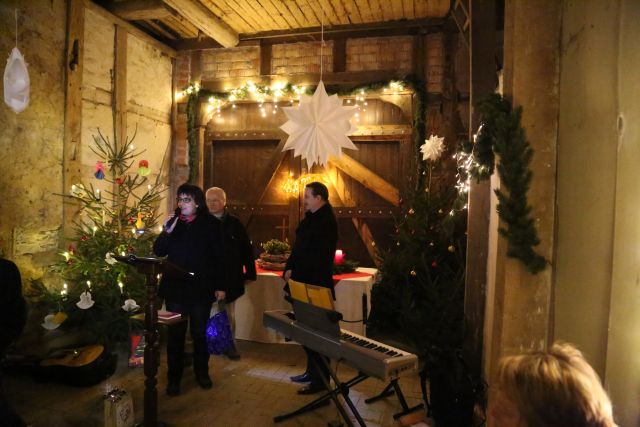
(285, 14)
(364, 10)
(396, 8)
(407, 8)
(339, 10)
(271, 6)
(262, 15)
(353, 11)
(243, 10)
(228, 14)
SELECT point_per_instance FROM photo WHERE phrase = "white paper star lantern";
(318, 127)
(432, 148)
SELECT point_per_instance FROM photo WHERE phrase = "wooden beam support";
(73, 109)
(368, 178)
(139, 10)
(367, 238)
(206, 21)
(129, 27)
(339, 55)
(295, 166)
(120, 87)
(265, 59)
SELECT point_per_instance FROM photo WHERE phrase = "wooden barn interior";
(197, 91)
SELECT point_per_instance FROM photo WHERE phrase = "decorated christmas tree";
(117, 215)
(420, 294)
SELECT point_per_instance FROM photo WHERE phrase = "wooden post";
(482, 53)
(120, 87)
(73, 108)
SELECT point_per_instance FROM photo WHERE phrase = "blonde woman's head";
(556, 388)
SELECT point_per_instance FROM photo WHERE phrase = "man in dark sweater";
(311, 262)
(12, 318)
(239, 265)
(192, 242)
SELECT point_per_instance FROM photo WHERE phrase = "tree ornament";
(411, 211)
(130, 305)
(84, 238)
(318, 127)
(109, 259)
(85, 301)
(53, 321)
(413, 273)
(434, 264)
(143, 168)
(451, 248)
(99, 173)
(432, 148)
(140, 223)
(119, 181)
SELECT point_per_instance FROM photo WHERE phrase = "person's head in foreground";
(554, 388)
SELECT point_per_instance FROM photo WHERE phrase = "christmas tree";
(119, 218)
(420, 294)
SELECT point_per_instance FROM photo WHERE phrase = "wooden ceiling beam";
(206, 21)
(139, 10)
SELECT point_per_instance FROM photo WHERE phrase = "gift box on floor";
(118, 409)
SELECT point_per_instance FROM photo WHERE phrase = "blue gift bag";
(219, 337)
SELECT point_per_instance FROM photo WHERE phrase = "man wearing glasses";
(191, 241)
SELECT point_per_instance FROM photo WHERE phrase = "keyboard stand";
(332, 393)
(394, 388)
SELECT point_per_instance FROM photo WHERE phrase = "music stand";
(152, 267)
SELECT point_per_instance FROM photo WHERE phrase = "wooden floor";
(249, 392)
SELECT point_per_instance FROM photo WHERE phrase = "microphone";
(176, 215)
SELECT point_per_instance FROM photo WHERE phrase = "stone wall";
(32, 141)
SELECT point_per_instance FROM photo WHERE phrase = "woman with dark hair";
(192, 242)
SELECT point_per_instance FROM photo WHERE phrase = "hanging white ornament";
(16, 79)
(85, 300)
(432, 148)
(318, 127)
(49, 322)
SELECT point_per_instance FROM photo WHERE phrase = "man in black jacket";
(192, 242)
(311, 262)
(239, 265)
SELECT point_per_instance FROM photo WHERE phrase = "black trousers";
(316, 374)
(198, 314)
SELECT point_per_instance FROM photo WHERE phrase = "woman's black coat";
(196, 247)
(239, 264)
(311, 259)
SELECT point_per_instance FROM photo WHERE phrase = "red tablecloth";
(336, 277)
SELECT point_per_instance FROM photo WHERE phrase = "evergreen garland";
(501, 133)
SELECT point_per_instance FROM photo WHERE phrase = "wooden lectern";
(152, 267)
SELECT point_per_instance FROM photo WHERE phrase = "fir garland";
(501, 134)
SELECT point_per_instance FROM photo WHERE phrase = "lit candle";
(121, 285)
(98, 197)
(339, 258)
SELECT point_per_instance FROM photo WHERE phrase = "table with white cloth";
(266, 293)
